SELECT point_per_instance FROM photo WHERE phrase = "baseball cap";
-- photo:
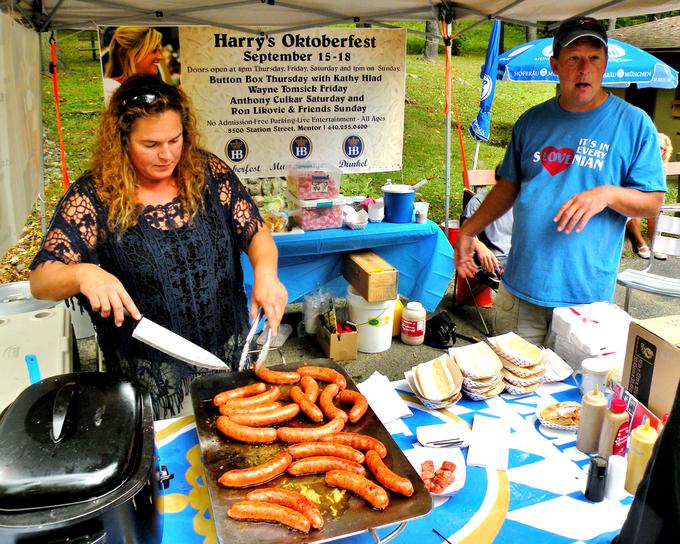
(578, 27)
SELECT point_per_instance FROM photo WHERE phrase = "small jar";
(413, 324)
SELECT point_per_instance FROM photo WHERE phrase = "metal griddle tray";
(220, 454)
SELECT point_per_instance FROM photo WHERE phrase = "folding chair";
(666, 240)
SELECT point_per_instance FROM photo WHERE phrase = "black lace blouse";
(183, 275)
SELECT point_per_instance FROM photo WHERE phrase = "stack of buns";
(437, 383)
(523, 363)
(482, 370)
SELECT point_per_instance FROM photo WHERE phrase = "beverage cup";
(376, 212)
(421, 211)
(594, 371)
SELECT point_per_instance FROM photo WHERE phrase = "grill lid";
(68, 439)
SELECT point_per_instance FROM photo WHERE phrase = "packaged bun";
(434, 379)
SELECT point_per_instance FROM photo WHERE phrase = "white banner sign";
(332, 95)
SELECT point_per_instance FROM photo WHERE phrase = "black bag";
(440, 331)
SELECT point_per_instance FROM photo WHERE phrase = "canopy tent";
(254, 16)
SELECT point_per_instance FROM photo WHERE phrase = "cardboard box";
(371, 276)
(339, 347)
(651, 369)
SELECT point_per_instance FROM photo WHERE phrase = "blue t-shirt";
(554, 154)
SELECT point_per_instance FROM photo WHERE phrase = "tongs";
(244, 362)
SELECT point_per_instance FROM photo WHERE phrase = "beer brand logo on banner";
(236, 150)
(353, 146)
(301, 147)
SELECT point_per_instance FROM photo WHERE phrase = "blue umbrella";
(626, 64)
(481, 126)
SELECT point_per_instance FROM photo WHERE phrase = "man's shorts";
(528, 320)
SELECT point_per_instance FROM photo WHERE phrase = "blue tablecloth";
(538, 500)
(420, 252)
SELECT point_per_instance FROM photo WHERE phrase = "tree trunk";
(612, 24)
(431, 42)
(531, 33)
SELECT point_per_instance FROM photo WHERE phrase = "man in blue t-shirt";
(576, 167)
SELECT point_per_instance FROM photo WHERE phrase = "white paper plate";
(556, 368)
(418, 455)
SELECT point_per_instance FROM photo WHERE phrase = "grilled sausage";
(245, 477)
(329, 409)
(227, 410)
(239, 392)
(276, 376)
(311, 449)
(323, 463)
(309, 434)
(358, 400)
(310, 387)
(366, 489)
(269, 417)
(266, 511)
(324, 374)
(291, 499)
(385, 476)
(357, 441)
(244, 433)
(311, 410)
(268, 396)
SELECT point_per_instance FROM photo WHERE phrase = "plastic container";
(373, 321)
(396, 318)
(642, 440)
(311, 180)
(593, 407)
(614, 434)
(453, 230)
(597, 479)
(399, 201)
(616, 478)
(413, 319)
(316, 214)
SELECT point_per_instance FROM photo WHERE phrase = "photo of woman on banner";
(129, 50)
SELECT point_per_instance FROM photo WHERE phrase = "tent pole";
(41, 192)
(474, 163)
(447, 173)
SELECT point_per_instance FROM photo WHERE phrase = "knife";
(173, 344)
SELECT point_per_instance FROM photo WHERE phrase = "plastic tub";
(325, 213)
(399, 201)
(373, 321)
(311, 180)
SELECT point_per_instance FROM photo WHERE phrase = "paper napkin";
(383, 399)
(489, 443)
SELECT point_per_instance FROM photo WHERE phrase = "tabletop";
(538, 499)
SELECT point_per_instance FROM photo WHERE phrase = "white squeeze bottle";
(593, 407)
(413, 324)
(642, 440)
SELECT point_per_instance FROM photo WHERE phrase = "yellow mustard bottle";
(593, 407)
(642, 440)
(396, 320)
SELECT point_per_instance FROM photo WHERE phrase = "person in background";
(576, 167)
(157, 228)
(132, 50)
(633, 225)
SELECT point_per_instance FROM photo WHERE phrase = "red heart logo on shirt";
(555, 160)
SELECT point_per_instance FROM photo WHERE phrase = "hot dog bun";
(434, 379)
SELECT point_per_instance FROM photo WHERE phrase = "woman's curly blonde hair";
(115, 176)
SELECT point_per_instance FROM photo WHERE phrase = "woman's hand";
(105, 293)
(487, 259)
(270, 295)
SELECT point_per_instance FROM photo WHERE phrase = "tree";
(432, 40)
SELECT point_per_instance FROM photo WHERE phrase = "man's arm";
(498, 201)
(575, 213)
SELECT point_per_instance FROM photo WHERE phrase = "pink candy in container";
(325, 213)
(310, 180)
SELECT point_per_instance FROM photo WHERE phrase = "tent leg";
(474, 163)
(41, 193)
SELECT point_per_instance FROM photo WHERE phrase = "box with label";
(651, 369)
(339, 346)
(371, 276)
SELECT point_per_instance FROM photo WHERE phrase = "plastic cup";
(421, 211)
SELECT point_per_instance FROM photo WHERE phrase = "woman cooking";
(157, 227)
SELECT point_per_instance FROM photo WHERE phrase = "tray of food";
(295, 454)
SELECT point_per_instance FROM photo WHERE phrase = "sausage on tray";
(311, 410)
(366, 489)
(266, 511)
(227, 410)
(276, 376)
(357, 441)
(311, 388)
(323, 463)
(324, 374)
(358, 400)
(309, 434)
(291, 499)
(269, 417)
(329, 409)
(239, 392)
(312, 449)
(268, 396)
(245, 477)
(245, 433)
(385, 476)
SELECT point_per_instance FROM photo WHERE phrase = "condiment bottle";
(413, 324)
(597, 479)
(593, 406)
(396, 321)
(662, 423)
(639, 451)
(614, 434)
